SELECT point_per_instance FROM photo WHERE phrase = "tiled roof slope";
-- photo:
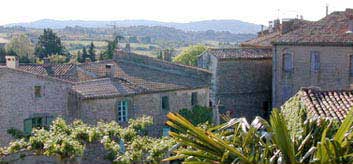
(240, 53)
(61, 71)
(262, 41)
(104, 87)
(266, 38)
(142, 78)
(332, 29)
(331, 104)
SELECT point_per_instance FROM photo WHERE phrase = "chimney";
(276, 25)
(326, 9)
(109, 71)
(167, 55)
(12, 62)
(349, 15)
(286, 25)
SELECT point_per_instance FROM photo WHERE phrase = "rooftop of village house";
(326, 103)
(335, 29)
(133, 74)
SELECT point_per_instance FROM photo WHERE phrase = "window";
(37, 91)
(166, 131)
(122, 111)
(287, 62)
(37, 122)
(351, 65)
(314, 61)
(194, 98)
(165, 103)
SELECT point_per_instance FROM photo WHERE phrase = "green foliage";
(111, 47)
(237, 141)
(58, 59)
(197, 115)
(48, 44)
(68, 141)
(22, 46)
(92, 52)
(189, 55)
(17, 134)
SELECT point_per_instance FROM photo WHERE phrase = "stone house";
(316, 54)
(241, 80)
(241, 77)
(128, 86)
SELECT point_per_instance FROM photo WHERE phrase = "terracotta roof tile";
(332, 29)
(331, 104)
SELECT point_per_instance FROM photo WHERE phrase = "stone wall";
(334, 72)
(93, 110)
(17, 100)
(244, 86)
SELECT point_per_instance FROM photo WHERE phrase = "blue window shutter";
(27, 126)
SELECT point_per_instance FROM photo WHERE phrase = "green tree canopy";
(22, 46)
(92, 52)
(48, 44)
(189, 55)
(197, 115)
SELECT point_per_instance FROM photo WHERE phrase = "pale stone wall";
(334, 72)
(93, 110)
(17, 100)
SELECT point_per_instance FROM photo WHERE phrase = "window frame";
(38, 91)
(33, 122)
(284, 63)
(194, 99)
(122, 110)
(314, 61)
(165, 103)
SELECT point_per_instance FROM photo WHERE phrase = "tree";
(321, 140)
(92, 52)
(111, 47)
(197, 115)
(48, 44)
(22, 46)
(189, 55)
(2, 55)
(67, 142)
(82, 57)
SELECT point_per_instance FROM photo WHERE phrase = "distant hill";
(233, 26)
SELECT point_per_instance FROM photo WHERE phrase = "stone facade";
(240, 86)
(18, 101)
(33, 95)
(105, 109)
(334, 72)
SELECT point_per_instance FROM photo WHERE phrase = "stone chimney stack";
(167, 55)
(12, 62)
(109, 70)
(277, 25)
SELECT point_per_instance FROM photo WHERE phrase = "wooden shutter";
(27, 123)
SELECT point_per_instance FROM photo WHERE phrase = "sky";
(254, 11)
